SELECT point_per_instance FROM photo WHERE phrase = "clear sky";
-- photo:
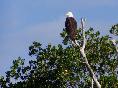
(25, 21)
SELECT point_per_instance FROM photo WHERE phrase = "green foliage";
(62, 67)
(114, 29)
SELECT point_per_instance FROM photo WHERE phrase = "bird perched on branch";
(71, 28)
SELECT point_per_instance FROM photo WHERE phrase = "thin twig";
(84, 55)
(92, 83)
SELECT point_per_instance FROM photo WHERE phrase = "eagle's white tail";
(75, 43)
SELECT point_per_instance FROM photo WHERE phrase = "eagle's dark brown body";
(71, 28)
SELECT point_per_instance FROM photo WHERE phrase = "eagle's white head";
(69, 14)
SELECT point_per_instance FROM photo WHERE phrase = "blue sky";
(25, 21)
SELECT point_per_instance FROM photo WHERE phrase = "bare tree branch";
(82, 50)
(114, 43)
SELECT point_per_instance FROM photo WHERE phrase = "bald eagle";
(71, 28)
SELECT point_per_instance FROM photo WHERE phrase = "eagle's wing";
(71, 27)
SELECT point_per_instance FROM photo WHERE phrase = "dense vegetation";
(62, 66)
